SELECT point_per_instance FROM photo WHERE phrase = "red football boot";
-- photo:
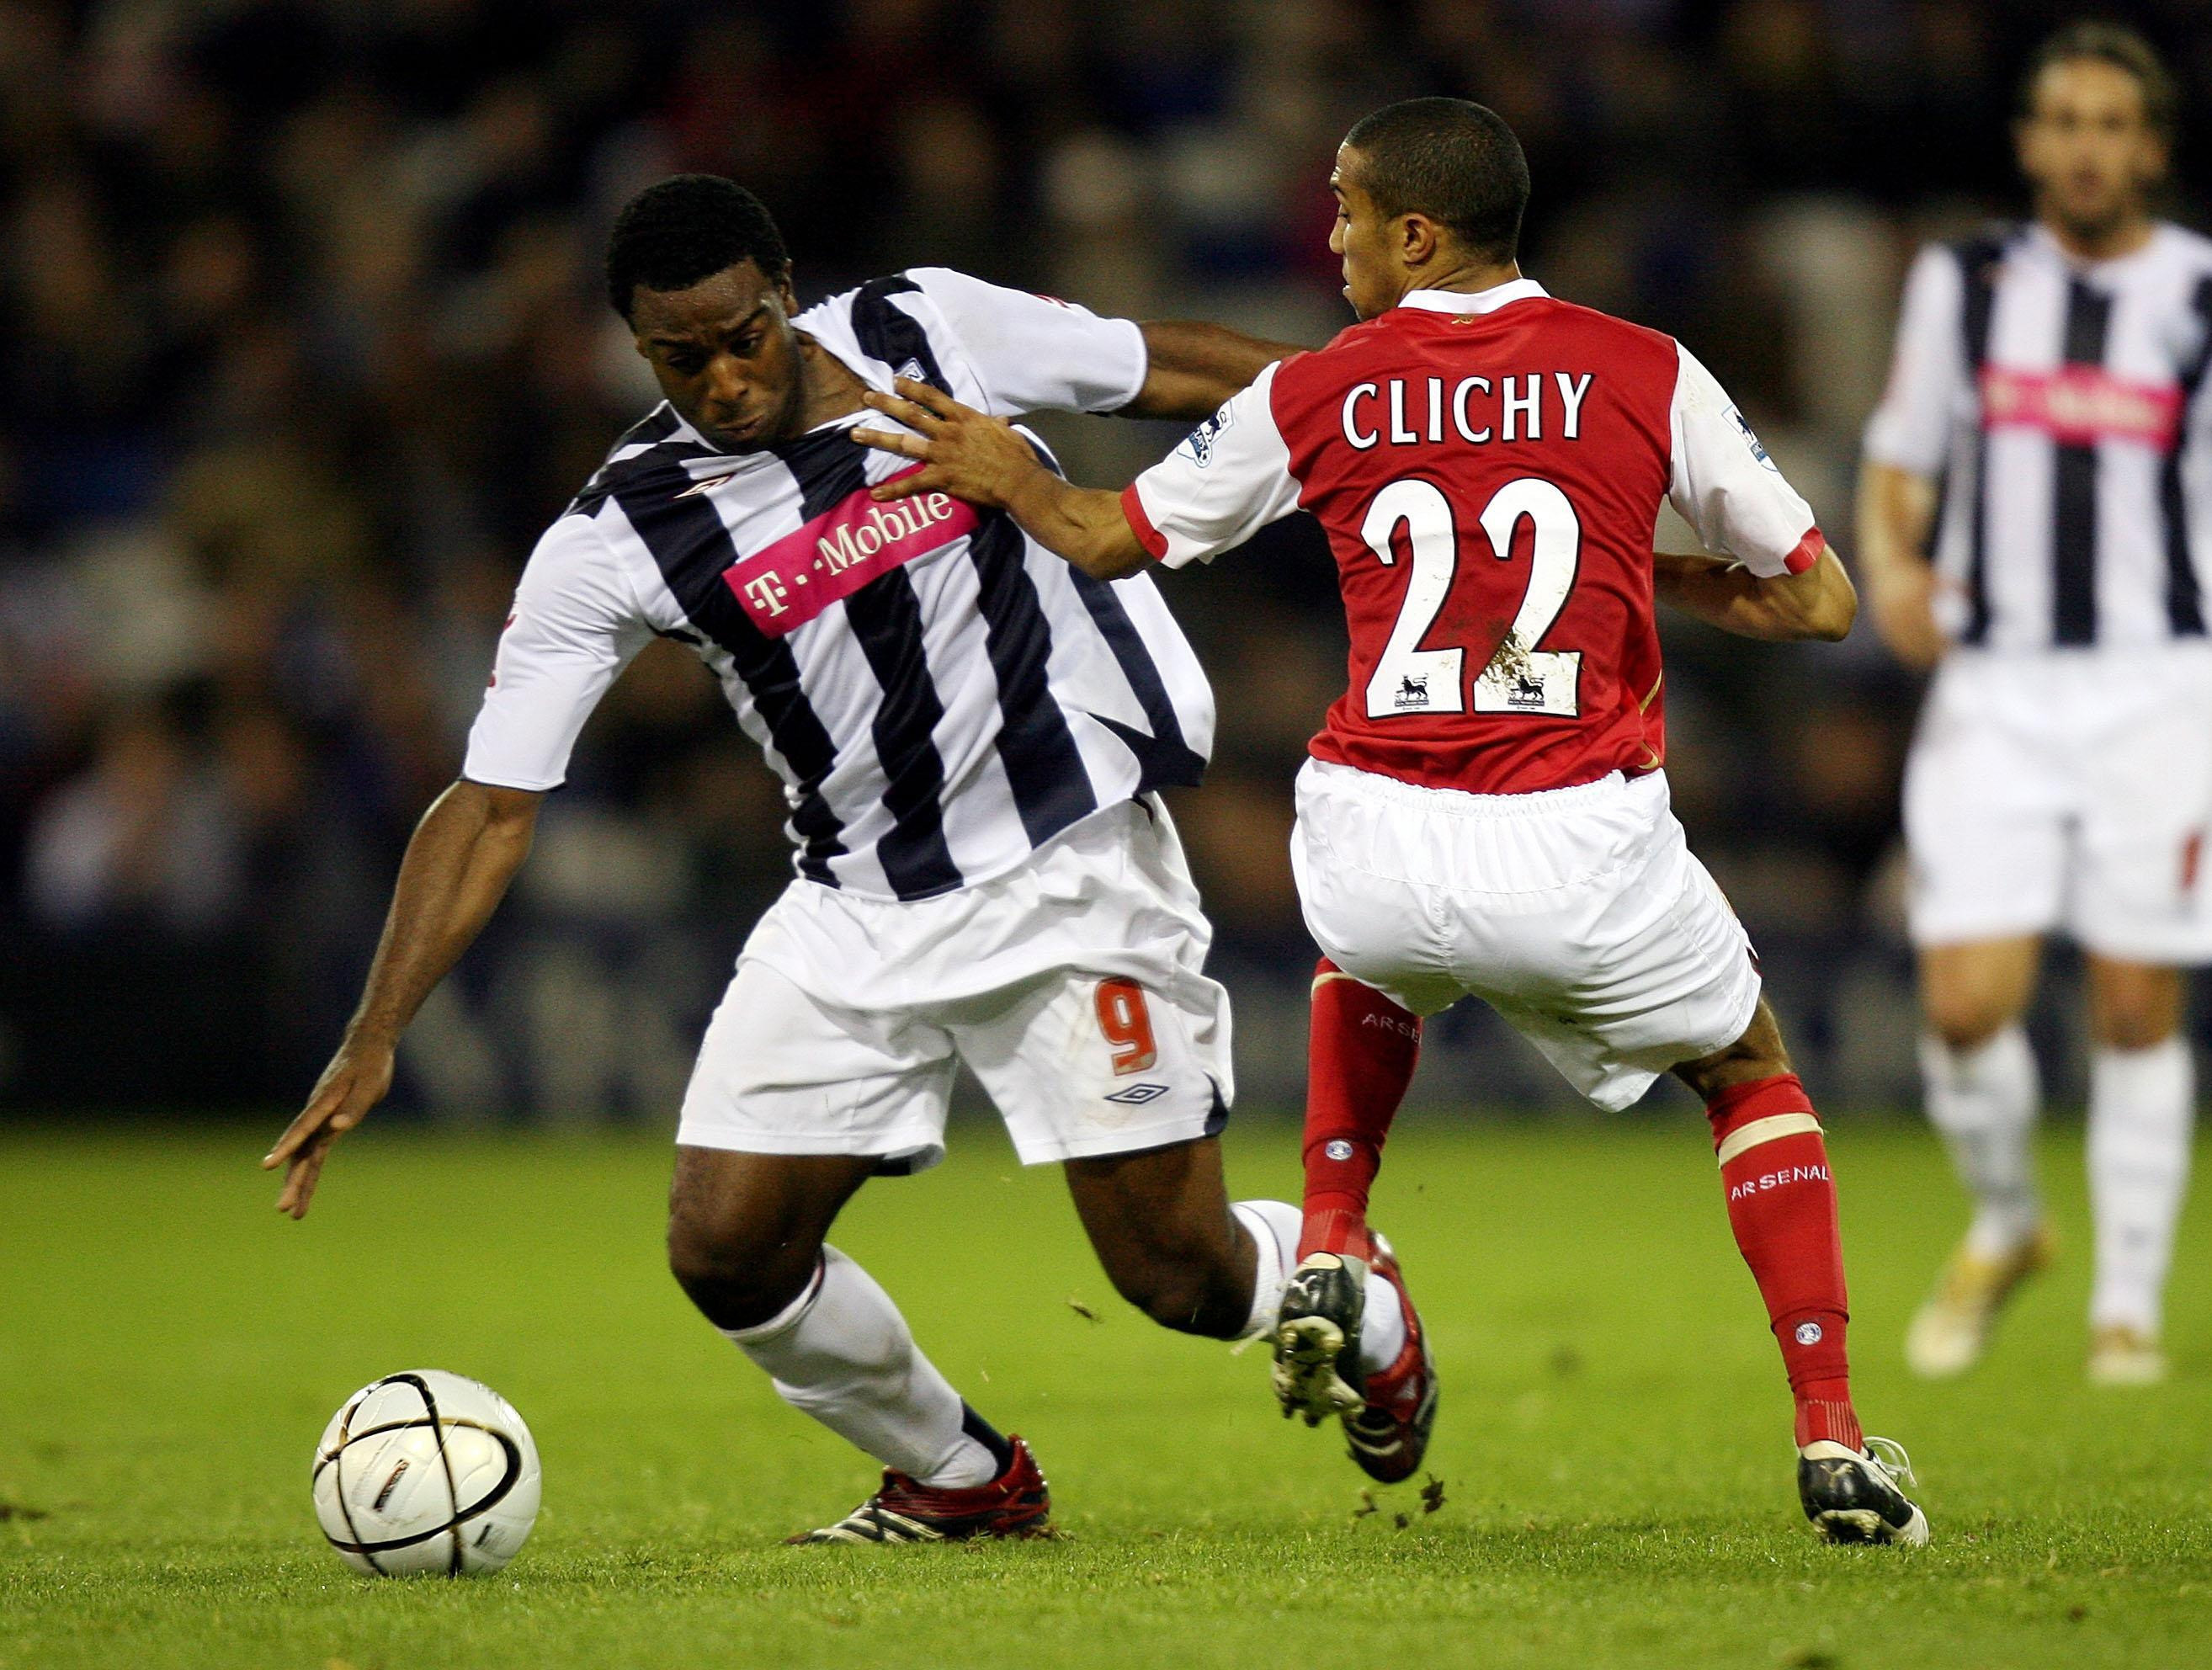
(1387, 1417)
(1388, 1433)
(1016, 1503)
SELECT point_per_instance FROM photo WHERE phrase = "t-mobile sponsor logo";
(1796, 1174)
(787, 584)
(2079, 405)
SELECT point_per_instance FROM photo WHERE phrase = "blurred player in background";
(971, 736)
(2043, 429)
(1485, 812)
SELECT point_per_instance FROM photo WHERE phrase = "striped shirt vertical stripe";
(1978, 259)
(2073, 490)
(2184, 595)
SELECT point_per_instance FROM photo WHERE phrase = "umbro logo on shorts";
(1138, 1095)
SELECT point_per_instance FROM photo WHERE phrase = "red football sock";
(1782, 1205)
(1359, 1060)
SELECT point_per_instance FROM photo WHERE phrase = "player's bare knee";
(738, 1276)
(2135, 1022)
(1759, 1053)
(1971, 992)
(2133, 1005)
(1966, 1020)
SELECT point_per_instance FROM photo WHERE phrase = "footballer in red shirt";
(1485, 812)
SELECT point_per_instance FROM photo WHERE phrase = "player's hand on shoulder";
(358, 1077)
(962, 450)
(1903, 598)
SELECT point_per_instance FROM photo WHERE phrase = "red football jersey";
(1489, 469)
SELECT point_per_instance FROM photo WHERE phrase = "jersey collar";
(2044, 242)
(1473, 301)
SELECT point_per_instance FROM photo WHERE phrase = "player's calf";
(1362, 1048)
(745, 1241)
(1210, 1299)
(1780, 1200)
(745, 1230)
(1172, 1245)
(1782, 1205)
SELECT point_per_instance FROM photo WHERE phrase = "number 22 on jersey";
(1521, 678)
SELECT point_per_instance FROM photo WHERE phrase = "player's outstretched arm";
(1897, 512)
(463, 853)
(1820, 603)
(985, 461)
(1192, 368)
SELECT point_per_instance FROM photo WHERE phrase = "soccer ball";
(426, 1473)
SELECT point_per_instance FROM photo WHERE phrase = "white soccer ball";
(426, 1473)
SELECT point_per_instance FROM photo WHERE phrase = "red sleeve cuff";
(1154, 542)
(1808, 551)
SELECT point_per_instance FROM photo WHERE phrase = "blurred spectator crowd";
(302, 341)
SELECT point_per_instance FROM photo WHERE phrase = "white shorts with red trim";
(1579, 915)
(2067, 791)
(1072, 987)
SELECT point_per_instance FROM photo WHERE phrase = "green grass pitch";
(1613, 1442)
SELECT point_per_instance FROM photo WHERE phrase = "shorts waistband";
(1613, 786)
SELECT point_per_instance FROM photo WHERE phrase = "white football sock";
(1273, 1225)
(1381, 1326)
(842, 1353)
(1984, 1102)
(2142, 1107)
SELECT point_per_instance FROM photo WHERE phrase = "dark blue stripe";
(2185, 599)
(889, 333)
(655, 427)
(1164, 759)
(2074, 489)
(1978, 262)
(1043, 767)
(885, 618)
(658, 424)
(693, 550)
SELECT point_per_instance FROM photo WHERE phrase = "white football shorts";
(1070, 988)
(2065, 789)
(1578, 915)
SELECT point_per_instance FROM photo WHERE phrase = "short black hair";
(2124, 49)
(687, 228)
(1452, 160)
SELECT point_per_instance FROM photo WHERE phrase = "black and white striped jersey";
(2059, 402)
(941, 695)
